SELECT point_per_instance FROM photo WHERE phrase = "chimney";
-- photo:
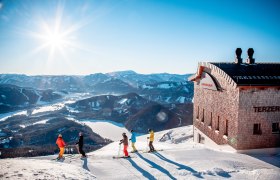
(238, 59)
(250, 59)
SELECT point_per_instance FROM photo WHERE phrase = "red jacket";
(60, 142)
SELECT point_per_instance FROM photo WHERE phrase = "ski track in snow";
(180, 159)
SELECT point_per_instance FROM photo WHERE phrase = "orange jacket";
(60, 142)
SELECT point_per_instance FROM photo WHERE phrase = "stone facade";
(228, 115)
(248, 116)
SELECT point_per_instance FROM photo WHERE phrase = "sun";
(55, 37)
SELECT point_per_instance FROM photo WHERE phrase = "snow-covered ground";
(5, 116)
(181, 158)
(107, 129)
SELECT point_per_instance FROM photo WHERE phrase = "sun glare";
(55, 40)
(55, 36)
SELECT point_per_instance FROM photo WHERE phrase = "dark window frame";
(218, 124)
(277, 128)
(257, 129)
(197, 113)
(211, 120)
(226, 127)
(202, 119)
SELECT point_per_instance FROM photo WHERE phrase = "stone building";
(237, 104)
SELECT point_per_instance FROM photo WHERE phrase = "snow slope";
(180, 159)
(107, 129)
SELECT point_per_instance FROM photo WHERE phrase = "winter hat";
(60, 135)
(123, 134)
(131, 130)
(149, 130)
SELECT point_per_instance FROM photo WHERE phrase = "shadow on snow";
(156, 166)
(144, 173)
(180, 166)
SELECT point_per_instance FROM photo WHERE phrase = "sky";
(148, 36)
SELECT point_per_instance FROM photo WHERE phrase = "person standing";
(80, 145)
(125, 144)
(61, 145)
(151, 138)
(133, 141)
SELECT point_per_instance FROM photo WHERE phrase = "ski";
(122, 157)
(150, 151)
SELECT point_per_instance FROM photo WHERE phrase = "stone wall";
(222, 104)
(267, 99)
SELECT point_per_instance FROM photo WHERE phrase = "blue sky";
(147, 36)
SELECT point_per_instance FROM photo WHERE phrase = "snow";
(95, 105)
(181, 99)
(181, 158)
(23, 168)
(147, 86)
(5, 116)
(167, 99)
(41, 122)
(186, 89)
(27, 98)
(72, 110)
(22, 126)
(107, 129)
(53, 107)
(122, 101)
(165, 86)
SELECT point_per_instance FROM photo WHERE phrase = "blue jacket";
(133, 137)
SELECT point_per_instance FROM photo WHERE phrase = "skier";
(152, 149)
(125, 144)
(80, 145)
(133, 141)
(61, 145)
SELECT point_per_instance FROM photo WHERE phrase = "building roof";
(257, 74)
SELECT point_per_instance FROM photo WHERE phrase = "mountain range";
(35, 109)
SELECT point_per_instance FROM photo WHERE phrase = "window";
(218, 124)
(197, 113)
(275, 128)
(202, 119)
(257, 129)
(226, 127)
(201, 139)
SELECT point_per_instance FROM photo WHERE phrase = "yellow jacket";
(151, 136)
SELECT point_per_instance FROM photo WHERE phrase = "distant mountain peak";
(126, 72)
